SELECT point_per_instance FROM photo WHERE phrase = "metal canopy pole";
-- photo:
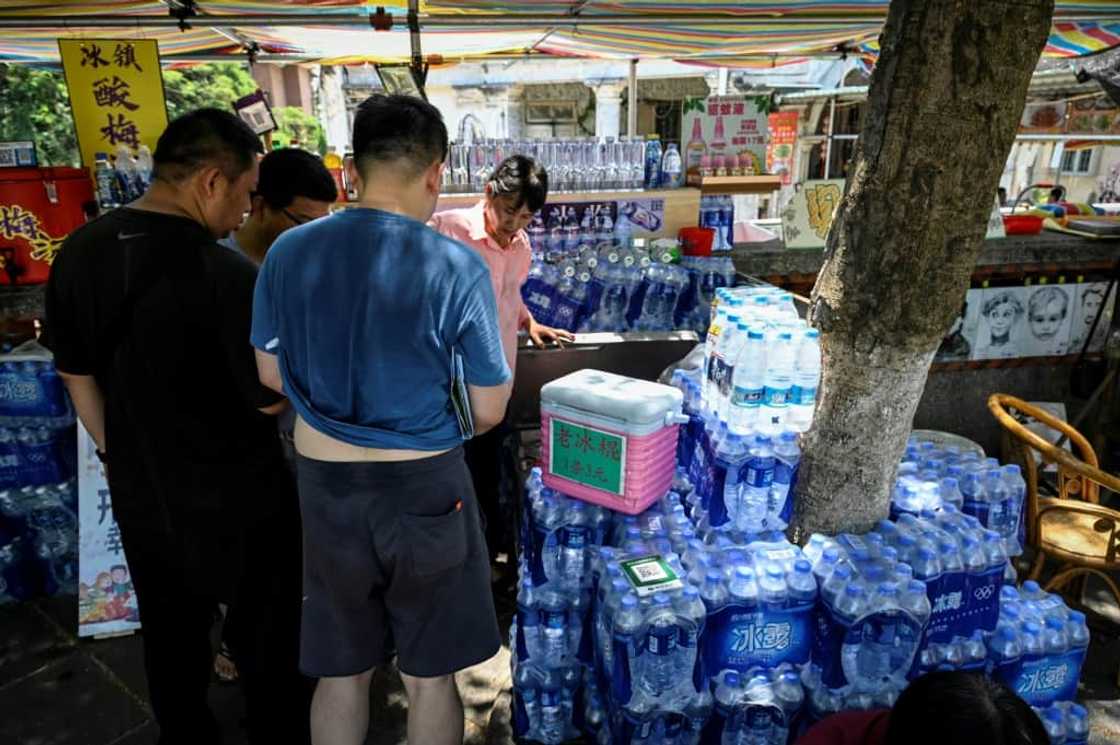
(509, 20)
(632, 101)
(828, 137)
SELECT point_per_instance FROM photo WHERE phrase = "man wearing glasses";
(294, 187)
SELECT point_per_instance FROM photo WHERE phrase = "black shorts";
(393, 556)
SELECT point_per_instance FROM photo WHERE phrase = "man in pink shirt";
(495, 228)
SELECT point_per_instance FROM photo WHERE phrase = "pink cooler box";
(608, 439)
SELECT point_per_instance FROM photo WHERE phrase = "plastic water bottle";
(733, 342)
(712, 362)
(1077, 724)
(626, 646)
(778, 383)
(748, 383)
(806, 379)
(553, 724)
(671, 170)
(754, 496)
(787, 454)
(104, 177)
(1054, 722)
(573, 542)
(554, 635)
(659, 673)
(653, 163)
(1016, 494)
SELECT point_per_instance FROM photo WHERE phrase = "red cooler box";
(38, 209)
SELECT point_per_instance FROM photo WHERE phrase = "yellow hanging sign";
(116, 93)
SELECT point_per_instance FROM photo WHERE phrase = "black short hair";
(522, 178)
(962, 708)
(205, 137)
(289, 173)
(399, 129)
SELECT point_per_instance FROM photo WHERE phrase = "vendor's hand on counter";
(541, 335)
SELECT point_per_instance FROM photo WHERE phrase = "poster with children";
(1090, 300)
(1002, 323)
(106, 599)
(1049, 316)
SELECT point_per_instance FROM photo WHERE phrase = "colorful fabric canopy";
(754, 34)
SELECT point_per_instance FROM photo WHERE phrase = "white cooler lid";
(636, 402)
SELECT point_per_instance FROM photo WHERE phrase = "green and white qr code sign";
(587, 455)
(650, 574)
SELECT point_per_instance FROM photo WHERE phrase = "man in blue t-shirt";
(371, 323)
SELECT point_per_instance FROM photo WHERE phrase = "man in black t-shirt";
(149, 318)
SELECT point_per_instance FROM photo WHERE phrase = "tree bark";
(945, 100)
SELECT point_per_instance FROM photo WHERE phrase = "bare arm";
(89, 403)
(269, 371)
(488, 405)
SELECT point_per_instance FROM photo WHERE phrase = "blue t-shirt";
(363, 309)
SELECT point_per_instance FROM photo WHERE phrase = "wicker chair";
(1073, 528)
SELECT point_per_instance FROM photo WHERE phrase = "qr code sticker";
(650, 572)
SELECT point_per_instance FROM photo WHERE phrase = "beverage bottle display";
(695, 149)
(671, 168)
(653, 163)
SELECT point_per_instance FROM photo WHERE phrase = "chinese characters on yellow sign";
(116, 93)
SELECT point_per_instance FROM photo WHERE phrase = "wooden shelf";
(740, 184)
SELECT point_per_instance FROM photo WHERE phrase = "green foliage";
(34, 106)
(215, 85)
(295, 123)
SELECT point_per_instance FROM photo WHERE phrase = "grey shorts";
(394, 558)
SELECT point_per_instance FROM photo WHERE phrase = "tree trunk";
(944, 105)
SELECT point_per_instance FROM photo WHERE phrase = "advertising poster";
(116, 93)
(783, 140)
(645, 217)
(106, 600)
(807, 217)
(721, 127)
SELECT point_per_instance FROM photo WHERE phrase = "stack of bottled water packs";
(930, 476)
(1039, 645)
(869, 623)
(603, 283)
(962, 566)
(38, 491)
(554, 693)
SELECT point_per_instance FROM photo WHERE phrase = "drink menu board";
(729, 133)
(783, 139)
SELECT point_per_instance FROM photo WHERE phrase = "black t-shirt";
(159, 313)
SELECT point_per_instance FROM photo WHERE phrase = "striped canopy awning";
(735, 33)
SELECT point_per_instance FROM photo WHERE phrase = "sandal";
(224, 666)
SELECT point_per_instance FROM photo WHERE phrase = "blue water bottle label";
(739, 638)
(750, 398)
(802, 395)
(776, 398)
(758, 475)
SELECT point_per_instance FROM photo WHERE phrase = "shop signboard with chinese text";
(783, 139)
(116, 93)
(722, 127)
(588, 456)
(106, 598)
(808, 216)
